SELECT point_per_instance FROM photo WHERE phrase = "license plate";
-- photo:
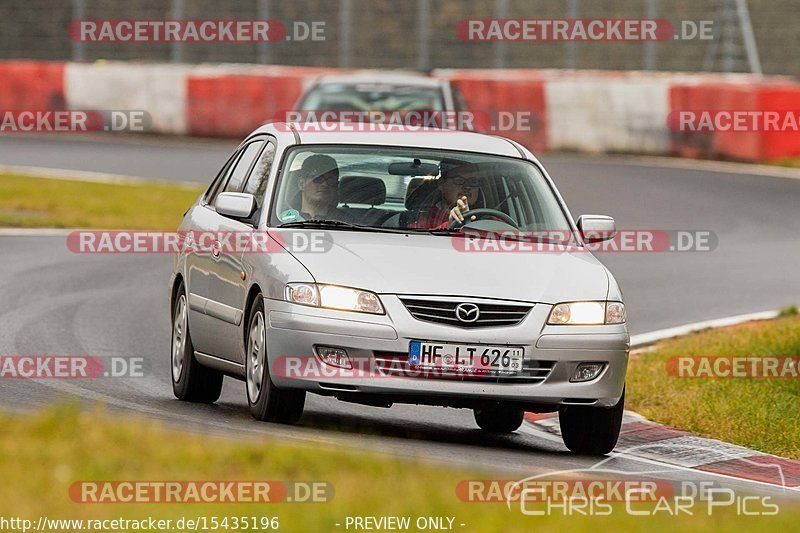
(470, 359)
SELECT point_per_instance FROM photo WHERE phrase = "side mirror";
(596, 228)
(235, 204)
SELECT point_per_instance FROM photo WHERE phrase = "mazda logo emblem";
(467, 312)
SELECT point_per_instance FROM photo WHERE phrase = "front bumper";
(295, 331)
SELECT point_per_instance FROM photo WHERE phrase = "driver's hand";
(461, 207)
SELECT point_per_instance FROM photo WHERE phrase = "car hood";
(388, 263)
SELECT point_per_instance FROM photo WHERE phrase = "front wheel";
(591, 430)
(191, 381)
(499, 419)
(267, 402)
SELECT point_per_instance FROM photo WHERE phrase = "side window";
(237, 177)
(257, 182)
(222, 176)
(458, 99)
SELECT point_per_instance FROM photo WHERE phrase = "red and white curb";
(649, 441)
(645, 440)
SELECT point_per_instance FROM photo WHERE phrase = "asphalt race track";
(57, 302)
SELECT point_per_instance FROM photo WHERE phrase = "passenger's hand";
(461, 207)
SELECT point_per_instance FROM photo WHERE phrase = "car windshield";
(372, 97)
(412, 189)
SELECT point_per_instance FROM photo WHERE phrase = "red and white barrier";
(499, 96)
(729, 98)
(158, 89)
(31, 86)
(634, 112)
(234, 104)
(591, 111)
(608, 114)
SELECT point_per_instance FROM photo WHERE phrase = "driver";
(318, 180)
(460, 189)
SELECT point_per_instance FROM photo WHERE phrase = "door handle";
(215, 249)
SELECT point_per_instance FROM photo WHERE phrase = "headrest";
(413, 185)
(422, 194)
(362, 190)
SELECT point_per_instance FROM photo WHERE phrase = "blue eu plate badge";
(414, 351)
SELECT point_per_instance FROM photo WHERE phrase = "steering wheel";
(483, 213)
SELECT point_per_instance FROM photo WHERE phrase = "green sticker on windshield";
(289, 214)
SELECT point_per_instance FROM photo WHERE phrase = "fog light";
(334, 357)
(587, 372)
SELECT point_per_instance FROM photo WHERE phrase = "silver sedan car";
(381, 91)
(469, 286)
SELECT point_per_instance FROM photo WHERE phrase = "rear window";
(372, 97)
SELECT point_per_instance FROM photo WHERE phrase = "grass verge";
(31, 202)
(759, 413)
(791, 162)
(44, 454)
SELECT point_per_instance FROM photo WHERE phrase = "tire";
(591, 430)
(267, 402)
(499, 419)
(191, 381)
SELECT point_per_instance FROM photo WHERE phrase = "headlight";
(334, 297)
(587, 313)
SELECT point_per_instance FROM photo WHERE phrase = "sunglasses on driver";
(328, 178)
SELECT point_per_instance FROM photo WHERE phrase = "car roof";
(460, 141)
(388, 77)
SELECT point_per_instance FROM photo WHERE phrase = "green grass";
(761, 414)
(792, 162)
(43, 455)
(31, 202)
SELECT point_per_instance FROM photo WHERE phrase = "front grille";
(396, 364)
(444, 312)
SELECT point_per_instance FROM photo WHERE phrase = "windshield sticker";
(289, 215)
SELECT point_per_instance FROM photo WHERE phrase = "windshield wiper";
(314, 222)
(432, 231)
(338, 224)
(515, 235)
(335, 224)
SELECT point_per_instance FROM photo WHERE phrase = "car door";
(204, 266)
(228, 281)
(198, 260)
